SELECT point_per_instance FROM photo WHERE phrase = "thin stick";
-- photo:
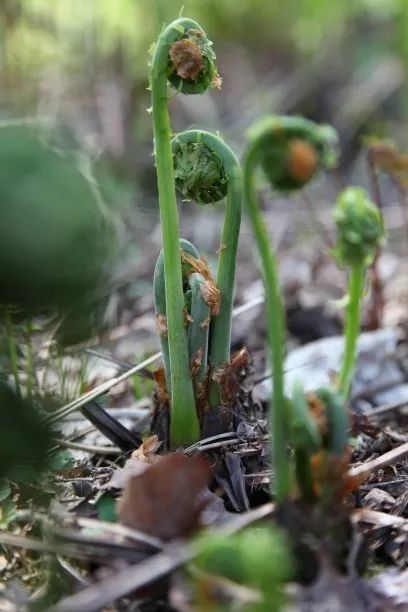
(99, 390)
(379, 519)
(365, 469)
(68, 550)
(89, 448)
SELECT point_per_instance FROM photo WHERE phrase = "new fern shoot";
(290, 151)
(207, 171)
(360, 232)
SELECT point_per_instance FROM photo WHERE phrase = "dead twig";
(365, 469)
(88, 448)
(378, 519)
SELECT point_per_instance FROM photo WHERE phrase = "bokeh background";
(78, 69)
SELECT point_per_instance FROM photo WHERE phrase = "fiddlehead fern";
(160, 305)
(360, 231)
(182, 57)
(290, 151)
(206, 170)
(198, 326)
(201, 300)
(319, 437)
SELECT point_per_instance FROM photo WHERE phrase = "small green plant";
(319, 439)
(183, 57)
(197, 311)
(290, 150)
(360, 231)
(257, 557)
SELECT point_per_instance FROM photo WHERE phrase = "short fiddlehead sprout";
(207, 171)
(360, 231)
(184, 58)
(199, 326)
(201, 301)
(159, 291)
(290, 151)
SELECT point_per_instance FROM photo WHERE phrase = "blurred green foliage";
(53, 233)
(76, 34)
(257, 557)
(24, 441)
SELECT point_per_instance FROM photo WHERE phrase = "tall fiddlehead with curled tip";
(207, 171)
(290, 151)
(360, 231)
(183, 58)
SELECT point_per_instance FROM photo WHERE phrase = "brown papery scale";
(196, 265)
(187, 58)
(318, 411)
(160, 385)
(302, 160)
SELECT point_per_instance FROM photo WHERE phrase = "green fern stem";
(355, 291)
(275, 328)
(290, 150)
(193, 180)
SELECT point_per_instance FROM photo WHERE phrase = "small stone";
(380, 500)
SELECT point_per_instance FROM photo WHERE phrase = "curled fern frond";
(360, 227)
(192, 68)
(206, 170)
(292, 149)
(199, 172)
(186, 54)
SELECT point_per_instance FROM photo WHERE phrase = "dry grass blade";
(378, 519)
(99, 390)
(78, 549)
(104, 592)
(107, 385)
(89, 448)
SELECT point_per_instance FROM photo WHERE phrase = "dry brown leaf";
(147, 450)
(164, 501)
